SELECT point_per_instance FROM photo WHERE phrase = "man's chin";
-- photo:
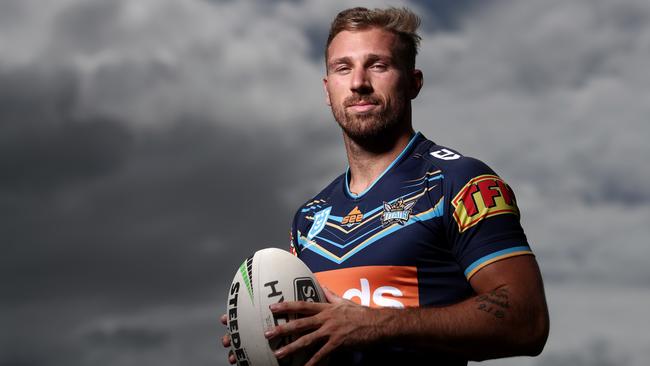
(364, 128)
(375, 136)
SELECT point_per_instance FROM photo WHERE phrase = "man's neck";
(366, 166)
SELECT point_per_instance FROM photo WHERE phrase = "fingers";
(321, 354)
(300, 307)
(293, 327)
(331, 296)
(300, 343)
(231, 357)
(225, 340)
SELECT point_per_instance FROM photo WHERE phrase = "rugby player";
(419, 248)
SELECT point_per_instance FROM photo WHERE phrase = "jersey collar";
(398, 158)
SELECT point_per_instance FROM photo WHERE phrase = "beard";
(375, 130)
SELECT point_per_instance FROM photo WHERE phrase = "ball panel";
(271, 275)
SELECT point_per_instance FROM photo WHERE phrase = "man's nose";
(360, 82)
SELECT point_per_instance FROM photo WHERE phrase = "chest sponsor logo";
(445, 154)
(305, 290)
(482, 197)
(320, 219)
(374, 286)
(354, 217)
(398, 212)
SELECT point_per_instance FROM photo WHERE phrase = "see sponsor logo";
(482, 197)
(374, 286)
(354, 217)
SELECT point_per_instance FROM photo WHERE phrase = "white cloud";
(152, 62)
(590, 326)
(555, 96)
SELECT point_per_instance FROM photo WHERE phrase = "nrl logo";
(399, 212)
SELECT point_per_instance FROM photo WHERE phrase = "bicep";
(517, 282)
(520, 274)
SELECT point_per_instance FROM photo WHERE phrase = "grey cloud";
(554, 99)
(167, 226)
(147, 147)
(124, 51)
(177, 207)
(592, 323)
(43, 145)
(597, 353)
(127, 338)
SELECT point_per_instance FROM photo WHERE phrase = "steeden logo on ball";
(271, 275)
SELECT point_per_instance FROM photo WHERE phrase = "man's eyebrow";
(340, 60)
(376, 57)
(372, 57)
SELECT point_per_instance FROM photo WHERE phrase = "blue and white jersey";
(414, 237)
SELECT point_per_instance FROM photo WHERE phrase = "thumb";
(331, 296)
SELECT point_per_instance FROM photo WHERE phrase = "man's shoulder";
(321, 199)
(452, 164)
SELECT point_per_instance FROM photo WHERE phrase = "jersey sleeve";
(481, 216)
(293, 235)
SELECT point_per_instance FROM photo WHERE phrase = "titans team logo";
(398, 212)
(320, 219)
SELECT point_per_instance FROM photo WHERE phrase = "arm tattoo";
(495, 302)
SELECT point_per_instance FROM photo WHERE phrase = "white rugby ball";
(271, 275)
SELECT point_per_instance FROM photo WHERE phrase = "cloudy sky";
(148, 146)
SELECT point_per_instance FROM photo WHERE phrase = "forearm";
(508, 317)
(498, 323)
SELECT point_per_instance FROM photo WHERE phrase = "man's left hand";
(336, 324)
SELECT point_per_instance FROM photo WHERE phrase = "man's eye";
(342, 69)
(379, 66)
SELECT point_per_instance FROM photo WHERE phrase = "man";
(419, 248)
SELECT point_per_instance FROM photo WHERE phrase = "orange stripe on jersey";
(374, 286)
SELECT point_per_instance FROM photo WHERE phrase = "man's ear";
(417, 80)
(328, 101)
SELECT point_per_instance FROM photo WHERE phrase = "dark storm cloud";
(173, 218)
(42, 146)
(447, 15)
(116, 218)
(126, 338)
(119, 199)
(436, 16)
(146, 147)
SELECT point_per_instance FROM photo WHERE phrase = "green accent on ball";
(247, 280)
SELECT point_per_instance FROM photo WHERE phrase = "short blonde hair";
(401, 21)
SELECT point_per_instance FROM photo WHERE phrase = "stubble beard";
(375, 130)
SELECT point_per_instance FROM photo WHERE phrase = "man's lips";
(361, 107)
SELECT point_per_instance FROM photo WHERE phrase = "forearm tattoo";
(495, 302)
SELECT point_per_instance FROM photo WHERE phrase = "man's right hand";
(225, 340)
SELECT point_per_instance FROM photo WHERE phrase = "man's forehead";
(360, 43)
